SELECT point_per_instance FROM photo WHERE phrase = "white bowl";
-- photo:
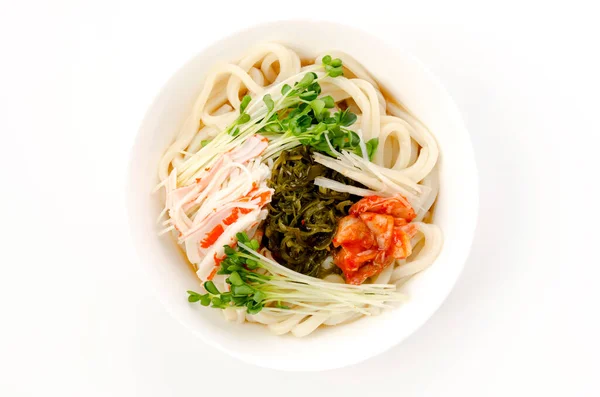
(331, 347)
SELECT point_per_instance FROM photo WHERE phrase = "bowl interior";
(407, 80)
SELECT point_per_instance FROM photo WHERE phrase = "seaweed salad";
(303, 217)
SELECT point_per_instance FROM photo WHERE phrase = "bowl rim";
(468, 148)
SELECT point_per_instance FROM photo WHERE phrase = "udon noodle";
(404, 163)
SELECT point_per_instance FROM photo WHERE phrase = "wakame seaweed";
(303, 217)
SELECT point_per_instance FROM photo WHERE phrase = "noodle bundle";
(240, 221)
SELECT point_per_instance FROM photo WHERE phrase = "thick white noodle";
(405, 159)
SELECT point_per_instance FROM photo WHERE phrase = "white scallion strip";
(373, 176)
(343, 188)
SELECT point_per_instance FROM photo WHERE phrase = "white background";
(78, 317)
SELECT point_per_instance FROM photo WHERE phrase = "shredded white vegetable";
(343, 188)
